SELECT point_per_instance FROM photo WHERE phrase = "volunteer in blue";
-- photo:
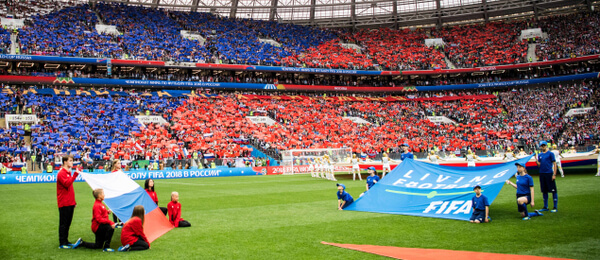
(481, 207)
(372, 178)
(525, 192)
(405, 153)
(546, 161)
(344, 198)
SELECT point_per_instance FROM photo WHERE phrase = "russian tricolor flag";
(121, 194)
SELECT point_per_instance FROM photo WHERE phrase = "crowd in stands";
(67, 32)
(569, 36)
(481, 45)
(583, 128)
(4, 41)
(538, 112)
(154, 34)
(26, 8)
(104, 127)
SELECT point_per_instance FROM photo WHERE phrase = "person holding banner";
(405, 153)
(65, 195)
(509, 155)
(116, 166)
(481, 207)
(102, 227)
(525, 192)
(149, 187)
(372, 178)
(597, 151)
(434, 158)
(344, 198)
(132, 236)
(386, 164)
(557, 156)
(547, 163)
(174, 208)
(470, 158)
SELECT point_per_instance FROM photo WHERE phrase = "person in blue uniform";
(546, 161)
(525, 192)
(481, 207)
(344, 198)
(372, 178)
(405, 153)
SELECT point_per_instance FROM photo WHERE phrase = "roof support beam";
(438, 7)
(353, 13)
(484, 6)
(395, 14)
(312, 11)
(273, 11)
(234, 6)
(195, 5)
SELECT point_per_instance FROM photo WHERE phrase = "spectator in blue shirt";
(547, 163)
(525, 193)
(481, 207)
(344, 198)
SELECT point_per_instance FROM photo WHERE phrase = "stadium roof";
(367, 13)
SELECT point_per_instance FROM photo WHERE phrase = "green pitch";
(286, 217)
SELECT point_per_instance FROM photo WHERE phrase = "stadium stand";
(571, 35)
(68, 32)
(103, 127)
(153, 34)
(478, 45)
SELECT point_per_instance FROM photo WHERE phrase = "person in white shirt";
(509, 155)
(355, 168)
(470, 158)
(434, 158)
(386, 164)
(558, 155)
(597, 151)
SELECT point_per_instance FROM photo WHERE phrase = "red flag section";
(429, 254)
(156, 224)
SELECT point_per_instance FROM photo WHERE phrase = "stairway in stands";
(531, 53)
(449, 63)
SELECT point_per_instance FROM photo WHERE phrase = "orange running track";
(430, 254)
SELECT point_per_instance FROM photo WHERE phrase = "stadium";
(252, 113)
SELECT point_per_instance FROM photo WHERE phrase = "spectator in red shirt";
(102, 227)
(66, 202)
(149, 187)
(132, 235)
(174, 208)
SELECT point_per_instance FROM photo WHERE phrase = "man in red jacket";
(66, 202)
(174, 208)
(102, 227)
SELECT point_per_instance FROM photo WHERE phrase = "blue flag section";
(428, 190)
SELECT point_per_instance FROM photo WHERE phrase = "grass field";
(286, 217)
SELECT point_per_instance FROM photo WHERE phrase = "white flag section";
(122, 194)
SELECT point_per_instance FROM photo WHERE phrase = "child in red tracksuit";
(132, 235)
(101, 225)
(174, 208)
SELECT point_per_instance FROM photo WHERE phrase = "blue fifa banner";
(138, 175)
(428, 190)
